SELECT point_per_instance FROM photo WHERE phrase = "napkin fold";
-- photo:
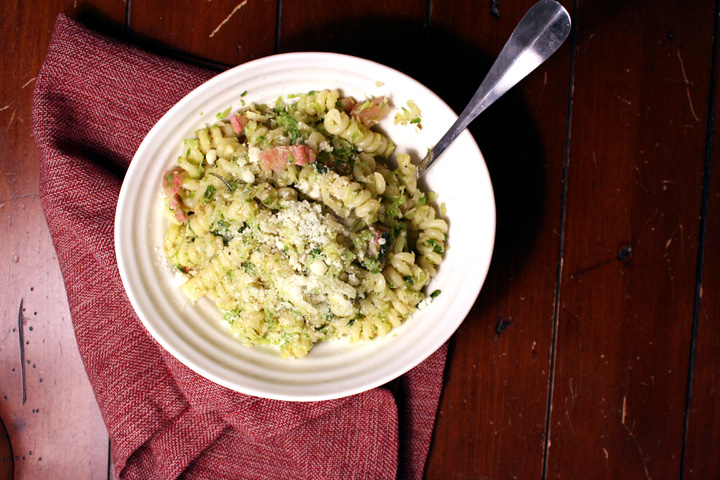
(95, 99)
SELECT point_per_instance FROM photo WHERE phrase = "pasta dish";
(296, 222)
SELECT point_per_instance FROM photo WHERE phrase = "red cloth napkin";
(95, 99)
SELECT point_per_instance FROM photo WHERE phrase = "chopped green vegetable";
(222, 229)
(223, 114)
(435, 294)
(320, 167)
(288, 121)
(436, 248)
(397, 229)
(412, 114)
(250, 269)
(373, 265)
(232, 315)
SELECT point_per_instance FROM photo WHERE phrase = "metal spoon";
(538, 35)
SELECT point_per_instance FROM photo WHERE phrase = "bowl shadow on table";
(93, 18)
(511, 146)
(506, 132)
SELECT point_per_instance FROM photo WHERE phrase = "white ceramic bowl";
(193, 332)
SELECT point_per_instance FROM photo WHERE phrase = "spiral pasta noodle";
(341, 124)
(316, 103)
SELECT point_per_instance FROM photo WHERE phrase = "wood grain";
(227, 32)
(631, 239)
(495, 399)
(703, 422)
(46, 401)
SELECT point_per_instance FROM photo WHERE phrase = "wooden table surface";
(592, 350)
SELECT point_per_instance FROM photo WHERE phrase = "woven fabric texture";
(95, 99)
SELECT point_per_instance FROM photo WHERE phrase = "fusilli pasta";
(290, 221)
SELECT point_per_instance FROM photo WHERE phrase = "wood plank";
(228, 32)
(493, 410)
(703, 431)
(631, 237)
(46, 401)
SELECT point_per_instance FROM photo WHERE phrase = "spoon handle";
(538, 35)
